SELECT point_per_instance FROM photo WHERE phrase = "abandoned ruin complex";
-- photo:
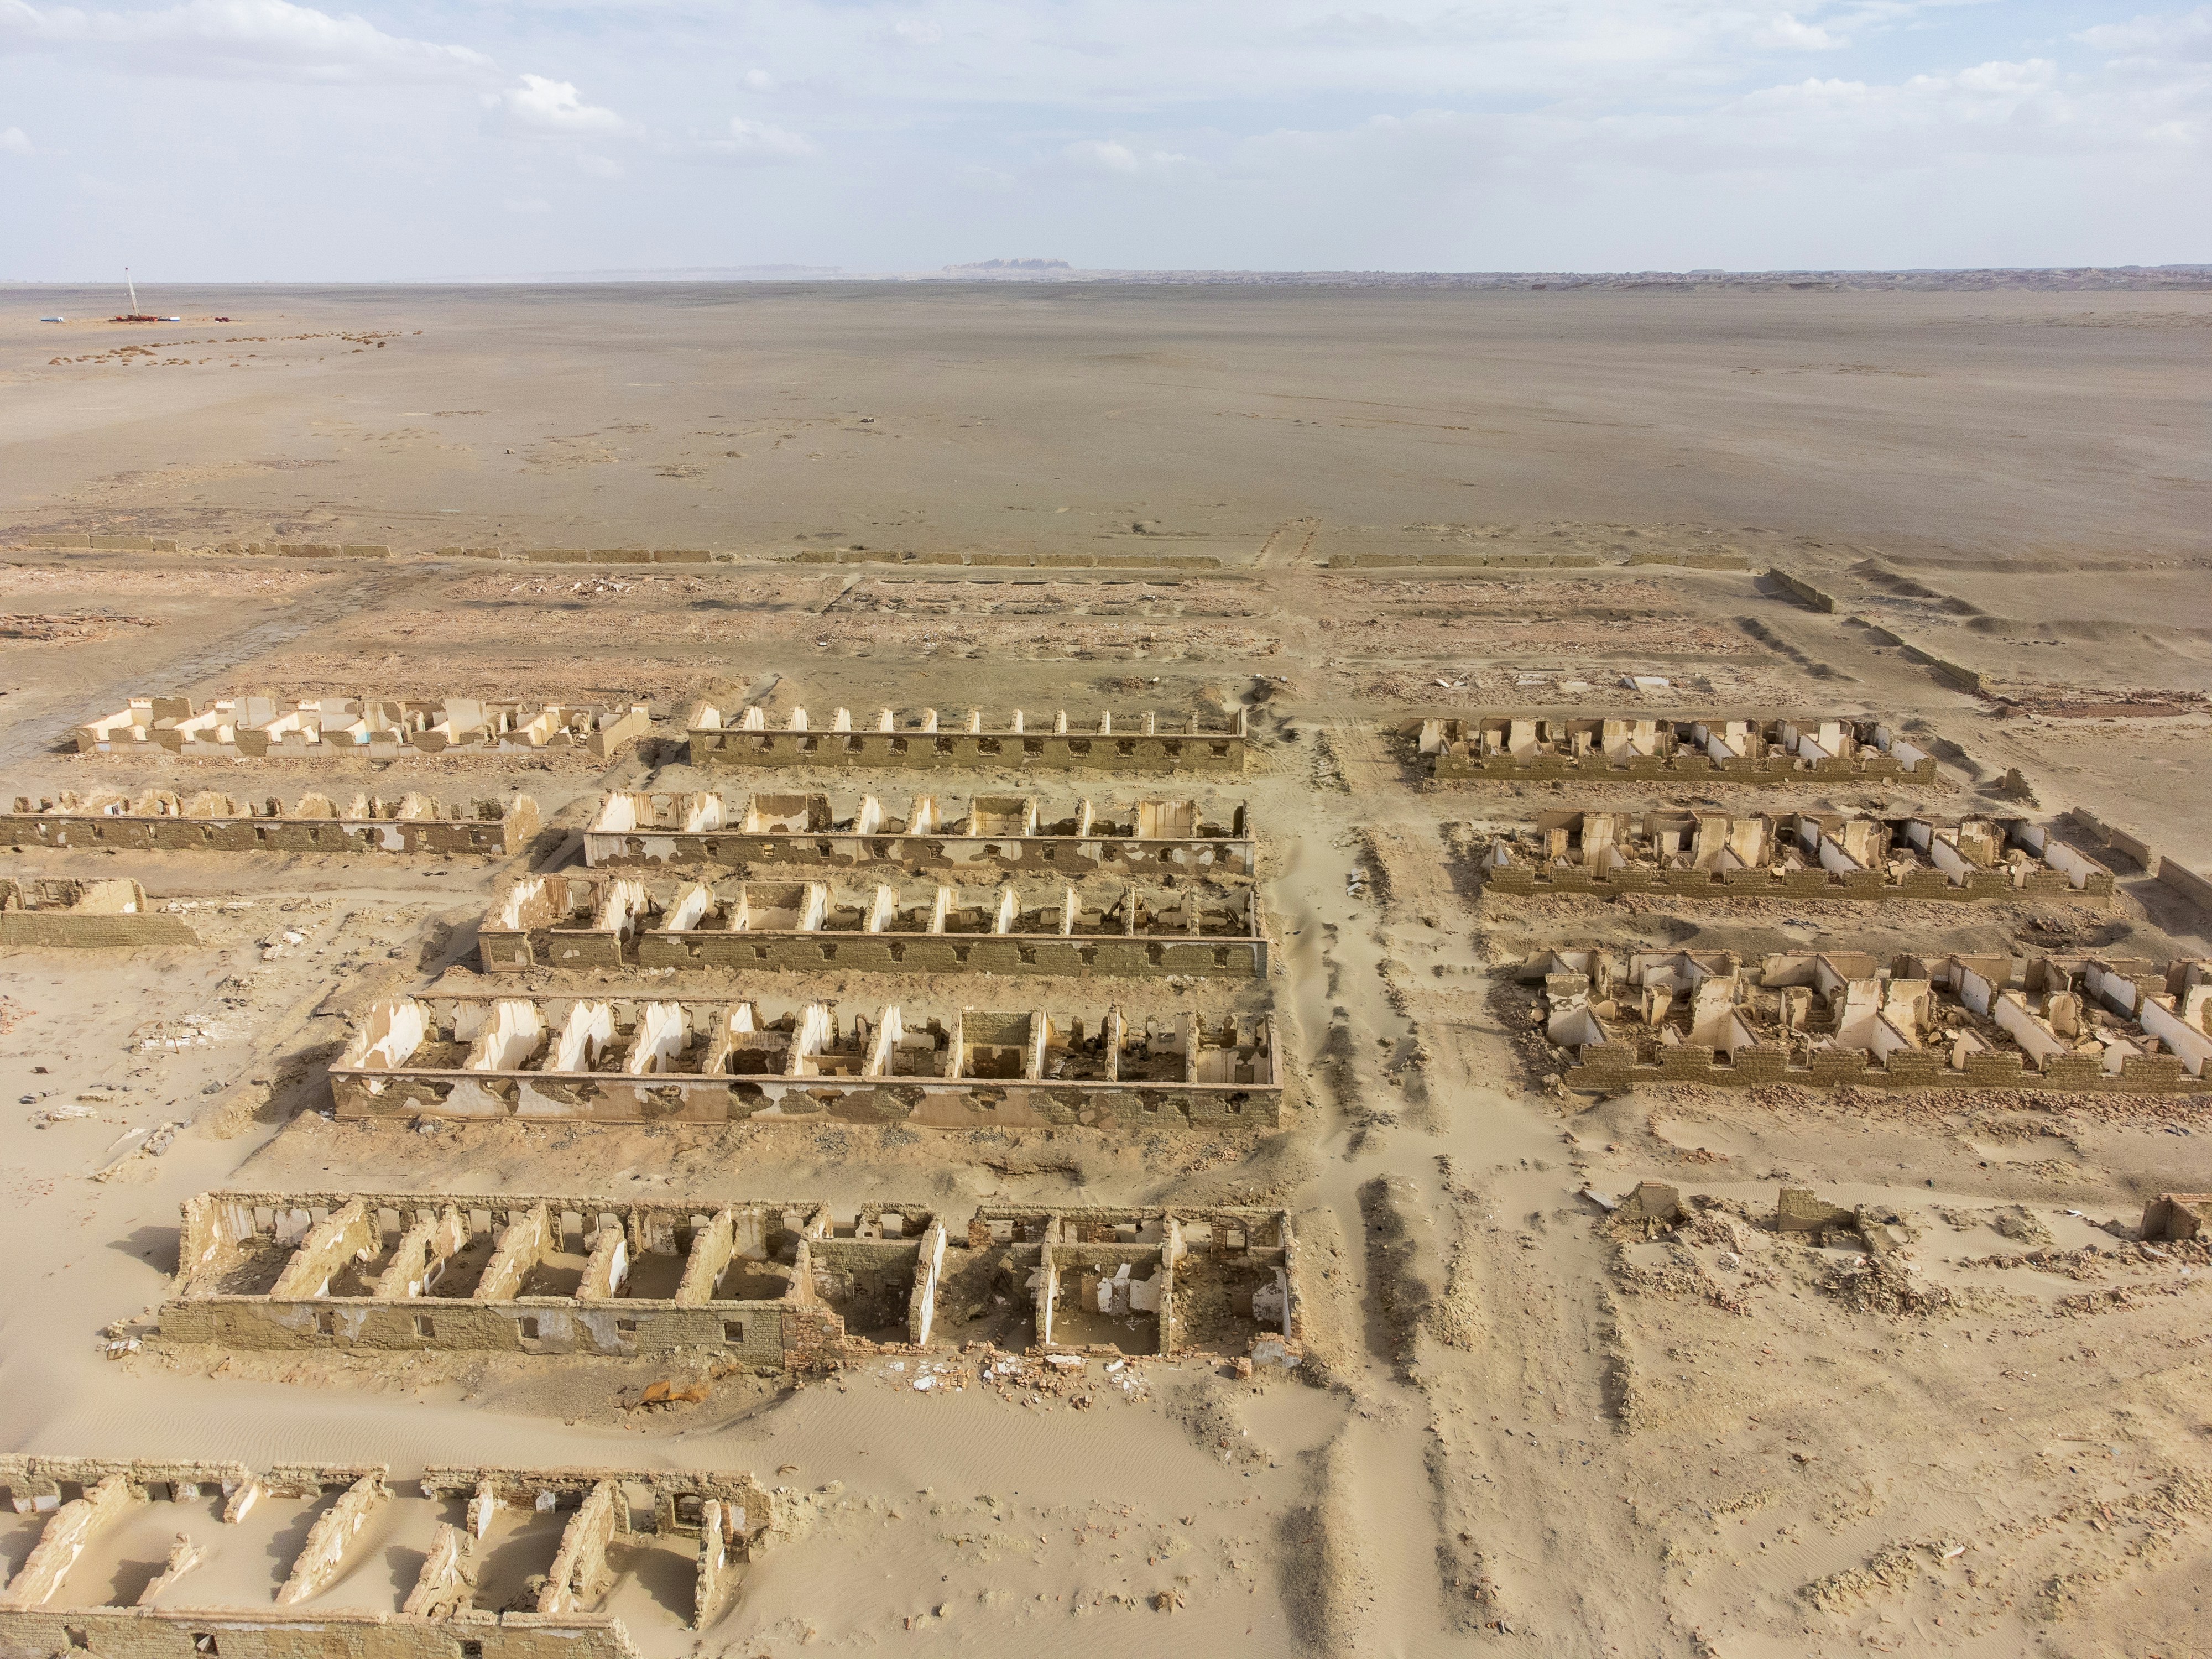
(641, 968)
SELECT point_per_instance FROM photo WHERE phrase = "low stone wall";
(71, 541)
(2186, 882)
(1013, 561)
(1801, 591)
(1464, 561)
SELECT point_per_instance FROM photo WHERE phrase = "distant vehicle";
(53, 319)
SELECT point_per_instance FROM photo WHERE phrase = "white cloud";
(13, 141)
(917, 32)
(1785, 33)
(544, 105)
(2176, 38)
(1104, 155)
(756, 141)
(238, 38)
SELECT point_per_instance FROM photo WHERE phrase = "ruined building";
(770, 1285)
(1145, 743)
(1826, 1019)
(161, 820)
(1533, 747)
(313, 728)
(1007, 832)
(1789, 855)
(1115, 928)
(182, 1560)
(628, 1059)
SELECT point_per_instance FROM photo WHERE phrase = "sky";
(265, 140)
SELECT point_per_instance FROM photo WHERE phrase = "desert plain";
(1524, 1417)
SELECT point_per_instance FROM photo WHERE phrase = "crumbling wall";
(1111, 745)
(85, 915)
(1608, 855)
(500, 826)
(1633, 744)
(437, 1618)
(327, 727)
(1208, 930)
(1837, 1019)
(1014, 834)
(878, 1277)
(322, 1557)
(820, 1063)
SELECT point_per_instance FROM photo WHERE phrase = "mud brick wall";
(62, 929)
(1070, 856)
(1165, 754)
(249, 1633)
(180, 835)
(1867, 885)
(1008, 954)
(1610, 1068)
(679, 1099)
(619, 1329)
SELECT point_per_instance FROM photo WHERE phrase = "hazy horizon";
(245, 140)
